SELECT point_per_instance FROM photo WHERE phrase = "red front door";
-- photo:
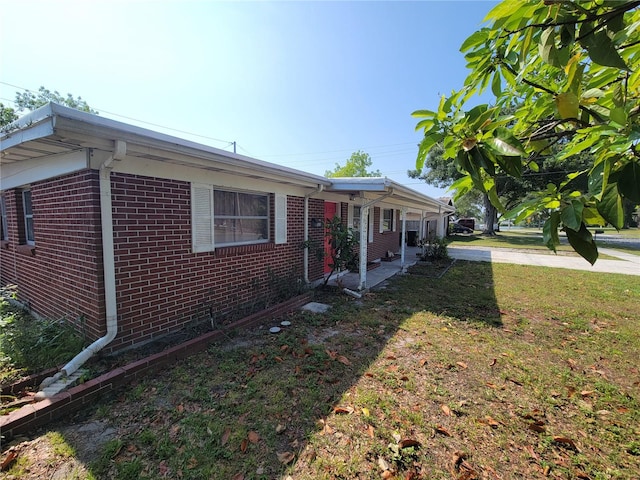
(330, 210)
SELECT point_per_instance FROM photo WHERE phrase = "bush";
(434, 249)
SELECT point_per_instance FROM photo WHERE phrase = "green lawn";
(492, 371)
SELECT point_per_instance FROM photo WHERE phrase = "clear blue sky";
(302, 84)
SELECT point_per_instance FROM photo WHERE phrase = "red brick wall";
(162, 286)
(383, 242)
(64, 277)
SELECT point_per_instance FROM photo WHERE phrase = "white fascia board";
(71, 120)
(16, 174)
(32, 131)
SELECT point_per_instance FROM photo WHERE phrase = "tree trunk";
(490, 216)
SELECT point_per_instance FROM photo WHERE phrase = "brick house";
(130, 234)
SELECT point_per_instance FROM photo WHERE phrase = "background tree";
(356, 166)
(7, 115)
(31, 101)
(442, 173)
(571, 72)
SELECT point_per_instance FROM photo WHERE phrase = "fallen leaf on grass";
(446, 410)
(587, 393)
(409, 442)
(565, 441)
(343, 410)
(192, 463)
(365, 412)
(537, 426)
(238, 476)
(243, 445)
(225, 436)
(278, 359)
(423, 362)
(344, 360)
(383, 464)
(180, 408)
(8, 460)
(572, 363)
(512, 380)
(370, 431)
(493, 362)
(253, 437)
(442, 431)
(286, 457)
(462, 365)
(487, 420)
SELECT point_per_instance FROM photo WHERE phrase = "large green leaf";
(475, 39)
(629, 182)
(572, 215)
(602, 50)
(591, 216)
(610, 206)
(583, 243)
(505, 143)
(550, 231)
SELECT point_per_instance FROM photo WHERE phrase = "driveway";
(625, 263)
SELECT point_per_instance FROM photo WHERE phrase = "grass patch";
(491, 371)
(28, 345)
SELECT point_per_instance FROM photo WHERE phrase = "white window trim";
(280, 218)
(28, 216)
(5, 223)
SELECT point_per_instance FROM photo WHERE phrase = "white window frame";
(28, 217)
(203, 218)
(390, 221)
(240, 217)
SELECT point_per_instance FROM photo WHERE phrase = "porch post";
(364, 236)
(403, 214)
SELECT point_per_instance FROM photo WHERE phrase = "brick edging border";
(40, 413)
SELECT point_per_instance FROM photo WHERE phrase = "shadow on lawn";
(248, 407)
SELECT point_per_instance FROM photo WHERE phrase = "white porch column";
(403, 215)
(364, 240)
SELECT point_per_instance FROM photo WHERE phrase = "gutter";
(108, 257)
(306, 230)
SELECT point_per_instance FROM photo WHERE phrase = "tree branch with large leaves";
(570, 74)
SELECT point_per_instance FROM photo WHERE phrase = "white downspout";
(403, 213)
(364, 237)
(109, 270)
(306, 230)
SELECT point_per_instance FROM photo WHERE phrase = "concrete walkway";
(626, 263)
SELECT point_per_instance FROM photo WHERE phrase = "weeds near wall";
(28, 345)
(434, 248)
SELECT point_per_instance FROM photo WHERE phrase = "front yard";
(492, 371)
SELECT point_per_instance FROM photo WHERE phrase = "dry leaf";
(180, 408)
(332, 355)
(365, 412)
(515, 381)
(537, 427)
(423, 362)
(280, 428)
(442, 431)
(284, 348)
(286, 457)
(446, 410)
(278, 359)
(409, 442)
(572, 363)
(458, 457)
(225, 436)
(587, 393)
(238, 476)
(344, 360)
(253, 437)
(192, 463)
(390, 357)
(582, 476)
(570, 391)
(370, 431)
(565, 441)
(243, 445)
(387, 474)
(343, 410)
(490, 421)
(462, 364)
(8, 460)
(404, 378)
(493, 362)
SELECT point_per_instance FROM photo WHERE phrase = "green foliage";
(356, 166)
(7, 115)
(569, 73)
(28, 345)
(344, 246)
(31, 101)
(434, 249)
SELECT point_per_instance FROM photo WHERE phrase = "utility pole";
(234, 147)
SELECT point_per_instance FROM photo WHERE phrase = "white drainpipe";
(109, 270)
(306, 230)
